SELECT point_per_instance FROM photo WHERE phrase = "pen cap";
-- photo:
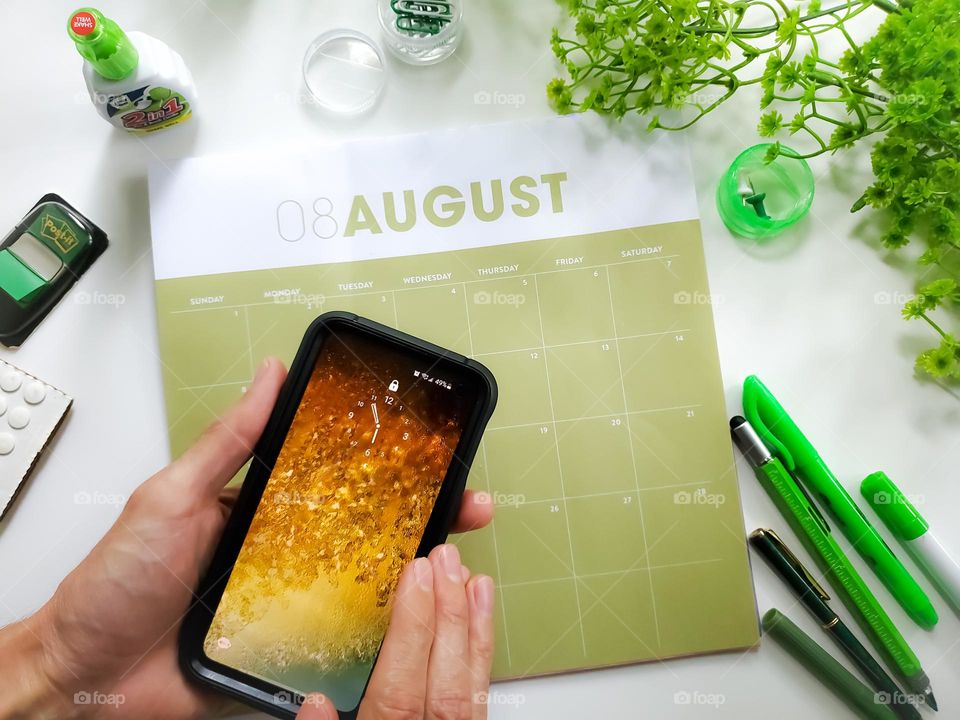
(774, 426)
(805, 650)
(892, 506)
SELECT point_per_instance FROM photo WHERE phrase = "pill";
(34, 393)
(19, 418)
(10, 381)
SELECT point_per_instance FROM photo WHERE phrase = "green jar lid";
(758, 199)
(892, 506)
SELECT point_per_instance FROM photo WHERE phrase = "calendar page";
(565, 256)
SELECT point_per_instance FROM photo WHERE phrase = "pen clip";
(813, 505)
(756, 400)
(798, 566)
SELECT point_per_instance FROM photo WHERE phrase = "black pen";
(814, 598)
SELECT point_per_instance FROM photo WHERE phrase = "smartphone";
(361, 468)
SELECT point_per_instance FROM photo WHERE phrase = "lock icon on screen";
(394, 385)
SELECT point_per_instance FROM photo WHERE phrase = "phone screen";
(344, 510)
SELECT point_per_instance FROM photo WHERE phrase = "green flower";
(556, 88)
(939, 290)
(844, 136)
(587, 25)
(947, 171)
(658, 25)
(798, 122)
(770, 124)
(940, 361)
(894, 239)
(913, 309)
(559, 95)
(879, 195)
(788, 26)
(790, 74)
(918, 191)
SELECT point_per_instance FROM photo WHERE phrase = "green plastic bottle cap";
(896, 511)
(757, 199)
(102, 43)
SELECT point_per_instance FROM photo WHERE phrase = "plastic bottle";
(136, 82)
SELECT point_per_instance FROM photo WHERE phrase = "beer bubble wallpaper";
(344, 510)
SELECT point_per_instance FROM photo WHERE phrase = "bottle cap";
(758, 199)
(892, 506)
(102, 43)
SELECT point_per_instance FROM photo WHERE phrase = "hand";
(435, 660)
(110, 630)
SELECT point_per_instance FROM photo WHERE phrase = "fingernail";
(423, 573)
(450, 559)
(464, 573)
(483, 594)
(264, 366)
(482, 498)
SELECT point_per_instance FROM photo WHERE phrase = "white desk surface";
(811, 313)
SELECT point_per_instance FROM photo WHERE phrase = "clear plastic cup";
(343, 71)
(422, 48)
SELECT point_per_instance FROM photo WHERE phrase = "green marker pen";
(909, 527)
(781, 434)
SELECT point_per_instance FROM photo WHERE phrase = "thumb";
(229, 442)
(317, 707)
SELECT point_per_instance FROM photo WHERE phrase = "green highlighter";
(781, 434)
(913, 531)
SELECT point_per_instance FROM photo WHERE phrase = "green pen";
(779, 433)
(857, 696)
(808, 524)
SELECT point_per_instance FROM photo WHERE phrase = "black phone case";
(267, 697)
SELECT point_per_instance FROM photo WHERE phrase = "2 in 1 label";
(147, 108)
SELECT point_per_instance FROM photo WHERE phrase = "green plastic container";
(757, 199)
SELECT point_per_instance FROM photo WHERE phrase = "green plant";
(677, 60)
